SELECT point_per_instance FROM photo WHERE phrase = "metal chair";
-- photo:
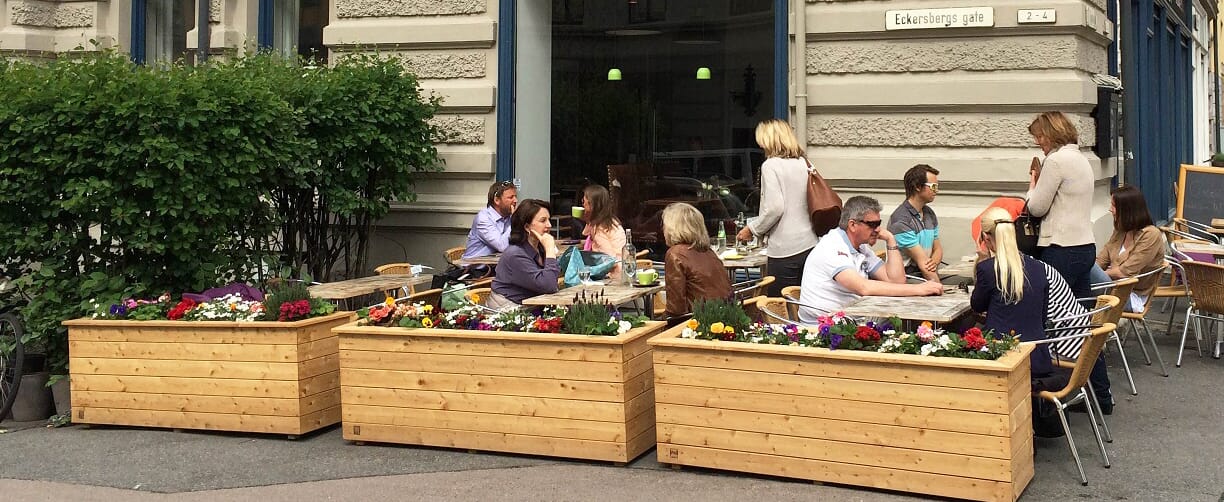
(1176, 289)
(1120, 288)
(454, 254)
(396, 268)
(1138, 318)
(1200, 231)
(1206, 282)
(749, 289)
(1076, 391)
(479, 295)
(775, 310)
(792, 293)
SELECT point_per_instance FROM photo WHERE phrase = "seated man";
(842, 267)
(491, 228)
(914, 223)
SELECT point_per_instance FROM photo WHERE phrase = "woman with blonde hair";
(1060, 192)
(783, 217)
(691, 269)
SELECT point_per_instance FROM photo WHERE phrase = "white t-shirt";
(832, 255)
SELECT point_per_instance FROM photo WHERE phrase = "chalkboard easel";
(1200, 193)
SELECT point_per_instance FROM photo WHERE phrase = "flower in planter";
(181, 308)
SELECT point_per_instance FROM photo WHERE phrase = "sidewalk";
(1169, 445)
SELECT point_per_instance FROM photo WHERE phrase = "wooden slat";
(833, 472)
(162, 335)
(316, 384)
(187, 420)
(875, 435)
(644, 421)
(210, 369)
(645, 331)
(185, 351)
(1021, 418)
(483, 384)
(487, 441)
(837, 451)
(318, 366)
(486, 403)
(321, 401)
(934, 419)
(838, 388)
(1023, 468)
(635, 367)
(840, 368)
(319, 348)
(319, 419)
(486, 422)
(639, 404)
(634, 348)
(477, 365)
(641, 443)
(169, 402)
(194, 386)
(480, 347)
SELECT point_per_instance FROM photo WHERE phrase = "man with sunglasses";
(843, 268)
(915, 225)
(491, 228)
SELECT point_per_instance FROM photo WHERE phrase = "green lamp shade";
(614, 74)
(703, 73)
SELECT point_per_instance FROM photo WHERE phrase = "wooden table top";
(1217, 222)
(754, 259)
(1199, 247)
(946, 308)
(353, 288)
(961, 268)
(616, 294)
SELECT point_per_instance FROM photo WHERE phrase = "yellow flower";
(693, 324)
(927, 324)
(730, 330)
(716, 328)
(390, 301)
(427, 322)
(427, 309)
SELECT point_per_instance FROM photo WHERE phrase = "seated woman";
(1135, 247)
(691, 269)
(604, 233)
(528, 267)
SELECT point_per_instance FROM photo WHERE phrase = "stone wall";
(451, 46)
(959, 99)
(46, 28)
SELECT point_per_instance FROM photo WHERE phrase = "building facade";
(658, 98)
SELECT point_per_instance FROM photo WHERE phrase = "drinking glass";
(584, 275)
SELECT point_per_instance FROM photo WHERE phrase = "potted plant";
(848, 402)
(560, 381)
(225, 363)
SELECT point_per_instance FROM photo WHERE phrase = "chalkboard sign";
(1200, 193)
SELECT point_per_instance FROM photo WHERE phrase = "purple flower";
(834, 341)
(871, 324)
(118, 310)
(824, 330)
(885, 326)
(617, 315)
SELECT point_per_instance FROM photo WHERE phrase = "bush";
(118, 180)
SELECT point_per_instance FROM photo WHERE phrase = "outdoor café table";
(489, 260)
(615, 294)
(343, 291)
(946, 308)
(1201, 247)
(753, 259)
(962, 268)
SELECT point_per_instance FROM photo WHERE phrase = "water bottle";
(629, 259)
(720, 242)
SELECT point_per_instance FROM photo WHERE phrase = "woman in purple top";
(528, 267)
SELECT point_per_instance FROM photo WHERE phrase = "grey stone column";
(959, 99)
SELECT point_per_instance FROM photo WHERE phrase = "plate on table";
(731, 256)
(651, 285)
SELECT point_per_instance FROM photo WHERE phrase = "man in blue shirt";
(491, 228)
(914, 223)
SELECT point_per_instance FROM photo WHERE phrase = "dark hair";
(603, 209)
(1130, 209)
(496, 189)
(916, 177)
(523, 214)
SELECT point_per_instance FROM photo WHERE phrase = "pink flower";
(925, 333)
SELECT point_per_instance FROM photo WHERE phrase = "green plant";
(721, 312)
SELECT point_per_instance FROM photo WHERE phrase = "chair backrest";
(394, 268)
(487, 282)
(792, 293)
(775, 310)
(1206, 282)
(1121, 289)
(752, 307)
(644, 264)
(749, 289)
(453, 254)
(1083, 365)
(479, 295)
(428, 297)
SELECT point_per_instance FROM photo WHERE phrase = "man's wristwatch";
(894, 248)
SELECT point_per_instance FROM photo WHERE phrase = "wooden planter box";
(263, 376)
(940, 426)
(574, 396)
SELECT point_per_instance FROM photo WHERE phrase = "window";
(294, 27)
(160, 33)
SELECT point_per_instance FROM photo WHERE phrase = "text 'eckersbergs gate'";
(960, 17)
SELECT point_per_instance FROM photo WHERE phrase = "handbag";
(572, 261)
(824, 205)
(1028, 230)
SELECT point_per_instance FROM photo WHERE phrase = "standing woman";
(1060, 192)
(783, 218)
(603, 231)
(528, 267)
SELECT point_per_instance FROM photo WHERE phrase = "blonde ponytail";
(1009, 265)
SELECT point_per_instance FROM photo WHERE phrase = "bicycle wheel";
(12, 354)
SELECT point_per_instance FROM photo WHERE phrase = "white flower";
(943, 342)
(809, 336)
(688, 333)
(625, 326)
(927, 349)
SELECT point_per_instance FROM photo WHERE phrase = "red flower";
(548, 325)
(974, 341)
(294, 310)
(866, 335)
(181, 309)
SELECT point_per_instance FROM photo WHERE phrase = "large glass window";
(296, 27)
(657, 100)
(166, 24)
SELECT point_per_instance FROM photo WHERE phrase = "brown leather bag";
(824, 205)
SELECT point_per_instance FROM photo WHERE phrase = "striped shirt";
(1061, 304)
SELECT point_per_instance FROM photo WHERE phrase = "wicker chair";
(775, 310)
(479, 295)
(453, 254)
(1137, 318)
(428, 297)
(752, 307)
(792, 293)
(396, 268)
(750, 289)
(1075, 392)
(1119, 289)
(1206, 281)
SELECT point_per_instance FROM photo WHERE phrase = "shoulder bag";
(824, 205)
(1028, 229)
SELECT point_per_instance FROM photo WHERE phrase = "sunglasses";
(504, 184)
(934, 186)
(873, 224)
